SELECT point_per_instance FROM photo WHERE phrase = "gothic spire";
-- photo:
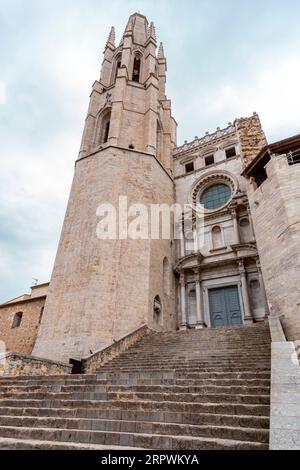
(152, 32)
(112, 37)
(161, 52)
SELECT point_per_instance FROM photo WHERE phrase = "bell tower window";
(136, 69)
(118, 64)
(104, 127)
(106, 132)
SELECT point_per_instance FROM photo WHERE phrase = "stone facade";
(218, 249)
(26, 310)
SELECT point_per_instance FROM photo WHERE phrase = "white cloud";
(273, 92)
(34, 187)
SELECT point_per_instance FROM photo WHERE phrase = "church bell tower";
(103, 289)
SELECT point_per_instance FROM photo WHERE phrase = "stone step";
(180, 370)
(239, 374)
(163, 375)
(101, 377)
(144, 427)
(7, 443)
(207, 389)
(223, 408)
(194, 368)
(244, 390)
(195, 343)
(216, 347)
(144, 396)
(198, 364)
(249, 421)
(235, 389)
(258, 385)
(195, 357)
(186, 397)
(199, 347)
(146, 441)
(196, 339)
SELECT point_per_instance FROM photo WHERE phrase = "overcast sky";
(226, 59)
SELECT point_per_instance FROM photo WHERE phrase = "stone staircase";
(206, 389)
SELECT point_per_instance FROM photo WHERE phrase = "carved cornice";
(180, 266)
(245, 250)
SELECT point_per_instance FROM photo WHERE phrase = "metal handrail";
(293, 157)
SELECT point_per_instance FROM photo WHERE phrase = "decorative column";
(199, 301)
(237, 240)
(262, 288)
(195, 237)
(182, 242)
(245, 294)
(183, 322)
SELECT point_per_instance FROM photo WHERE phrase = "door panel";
(224, 307)
(233, 306)
(217, 308)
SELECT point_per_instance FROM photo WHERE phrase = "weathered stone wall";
(251, 136)
(39, 290)
(275, 210)
(102, 289)
(93, 363)
(285, 397)
(15, 365)
(21, 339)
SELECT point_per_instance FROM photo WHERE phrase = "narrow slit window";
(106, 132)
(17, 320)
(136, 69)
(118, 66)
(104, 127)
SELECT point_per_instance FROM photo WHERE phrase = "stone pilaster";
(183, 320)
(199, 301)
(235, 226)
(245, 294)
(262, 287)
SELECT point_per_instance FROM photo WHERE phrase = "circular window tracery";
(213, 191)
(215, 196)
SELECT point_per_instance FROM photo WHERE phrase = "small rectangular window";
(189, 167)
(210, 160)
(231, 152)
(17, 320)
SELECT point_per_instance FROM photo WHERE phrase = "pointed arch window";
(118, 63)
(104, 127)
(136, 73)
